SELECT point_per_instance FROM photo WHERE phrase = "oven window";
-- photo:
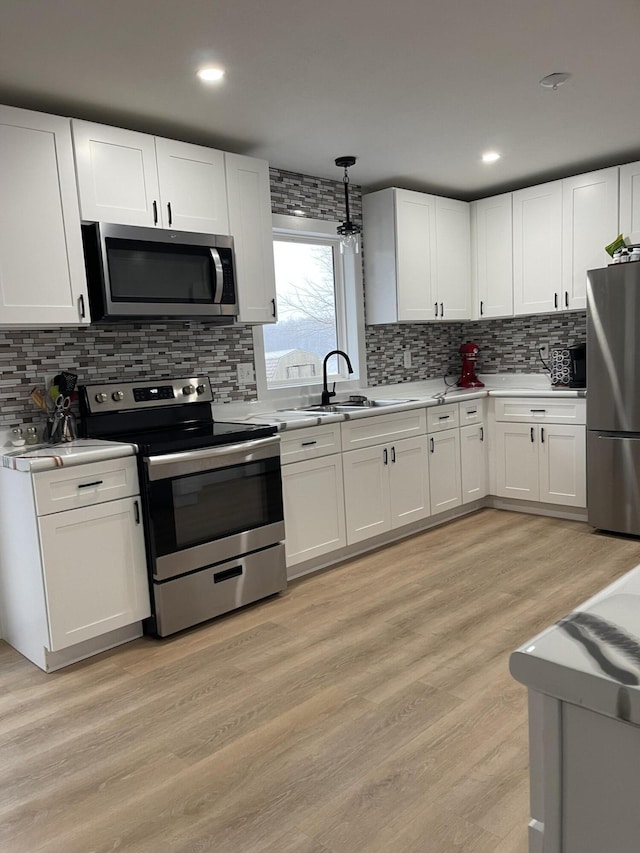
(152, 272)
(203, 507)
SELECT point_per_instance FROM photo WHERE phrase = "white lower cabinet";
(473, 462)
(313, 508)
(444, 470)
(543, 463)
(386, 486)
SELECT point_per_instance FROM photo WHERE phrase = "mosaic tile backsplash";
(112, 352)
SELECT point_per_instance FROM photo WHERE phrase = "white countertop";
(42, 457)
(424, 395)
(592, 656)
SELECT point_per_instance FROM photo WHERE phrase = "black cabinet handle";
(566, 298)
(273, 307)
(442, 309)
(481, 307)
(481, 433)
(155, 212)
(81, 306)
(136, 508)
(542, 434)
(169, 212)
(393, 455)
(385, 456)
(532, 438)
(472, 411)
(88, 485)
(444, 417)
(308, 443)
(436, 304)
(432, 445)
(555, 300)
(227, 574)
(538, 410)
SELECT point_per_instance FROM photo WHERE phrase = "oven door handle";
(209, 458)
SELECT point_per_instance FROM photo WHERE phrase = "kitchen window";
(320, 308)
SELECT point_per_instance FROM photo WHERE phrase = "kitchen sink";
(351, 406)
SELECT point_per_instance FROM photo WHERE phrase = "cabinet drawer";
(83, 485)
(310, 443)
(442, 417)
(543, 409)
(472, 412)
(365, 432)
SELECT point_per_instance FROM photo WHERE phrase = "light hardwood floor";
(369, 709)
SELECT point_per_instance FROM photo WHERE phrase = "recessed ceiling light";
(211, 75)
(490, 156)
(552, 81)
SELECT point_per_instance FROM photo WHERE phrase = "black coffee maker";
(578, 366)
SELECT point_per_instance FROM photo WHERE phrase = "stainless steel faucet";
(326, 394)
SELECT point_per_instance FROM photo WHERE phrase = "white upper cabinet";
(630, 202)
(42, 277)
(193, 187)
(417, 257)
(537, 249)
(589, 223)
(132, 178)
(250, 225)
(453, 257)
(492, 257)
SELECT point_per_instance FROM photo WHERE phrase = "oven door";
(211, 505)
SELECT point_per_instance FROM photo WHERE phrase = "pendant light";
(348, 230)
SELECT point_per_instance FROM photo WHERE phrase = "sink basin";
(351, 406)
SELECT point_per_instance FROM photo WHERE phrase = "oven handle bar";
(209, 458)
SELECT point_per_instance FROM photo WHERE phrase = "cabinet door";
(630, 202)
(517, 461)
(42, 278)
(313, 527)
(416, 255)
(453, 259)
(193, 187)
(492, 260)
(473, 459)
(117, 174)
(366, 492)
(94, 570)
(537, 249)
(563, 465)
(250, 226)
(589, 223)
(409, 480)
(444, 470)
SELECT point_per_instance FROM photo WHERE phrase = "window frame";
(349, 312)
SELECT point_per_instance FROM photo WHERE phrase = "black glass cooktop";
(154, 442)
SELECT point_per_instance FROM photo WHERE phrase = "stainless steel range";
(211, 495)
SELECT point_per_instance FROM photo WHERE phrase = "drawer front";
(442, 417)
(83, 485)
(379, 429)
(543, 409)
(472, 412)
(299, 444)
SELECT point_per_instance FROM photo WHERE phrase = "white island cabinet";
(73, 578)
(42, 277)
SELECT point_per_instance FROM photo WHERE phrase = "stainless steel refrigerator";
(613, 398)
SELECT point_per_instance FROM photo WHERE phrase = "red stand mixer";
(468, 379)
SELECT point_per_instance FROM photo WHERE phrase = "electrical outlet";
(245, 374)
(544, 351)
(407, 358)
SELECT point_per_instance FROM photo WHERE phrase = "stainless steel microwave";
(136, 273)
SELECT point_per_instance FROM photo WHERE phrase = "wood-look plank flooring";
(369, 709)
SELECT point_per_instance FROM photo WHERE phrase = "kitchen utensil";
(62, 403)
(66, 382)
(38, 397)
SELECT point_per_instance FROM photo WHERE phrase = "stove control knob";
(101, 398)
(188, 389)
(200, 389)
(117, 395)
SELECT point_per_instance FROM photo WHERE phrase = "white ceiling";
(416, 89)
